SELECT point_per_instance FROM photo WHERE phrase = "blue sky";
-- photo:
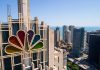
(58, 12)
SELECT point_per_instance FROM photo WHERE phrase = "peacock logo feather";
(23, 41)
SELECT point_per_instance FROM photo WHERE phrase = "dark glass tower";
(78, 41)
(94, 50)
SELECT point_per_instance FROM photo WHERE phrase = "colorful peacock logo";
(23, 41)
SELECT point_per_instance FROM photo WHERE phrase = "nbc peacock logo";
(24, 42)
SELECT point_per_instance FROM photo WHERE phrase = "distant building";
(57, 36)
(68, 37)
(65, 29)
(94, 50)
(71, 28)
(78, 41)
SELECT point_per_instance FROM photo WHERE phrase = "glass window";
(42, 56)
(7, 64)
(35, 64)
(18, 67)
(5, 36)
(15, 28)
(34, 56)
(17, 59)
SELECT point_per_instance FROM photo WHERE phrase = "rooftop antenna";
(8, 10)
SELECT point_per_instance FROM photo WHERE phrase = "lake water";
(92, 28)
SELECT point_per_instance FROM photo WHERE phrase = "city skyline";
(64, 12)
(35, 41)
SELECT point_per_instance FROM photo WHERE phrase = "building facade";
(18, 61)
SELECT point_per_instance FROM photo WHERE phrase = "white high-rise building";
(50, 48)
(24, 11)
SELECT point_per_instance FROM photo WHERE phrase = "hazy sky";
(58, 12)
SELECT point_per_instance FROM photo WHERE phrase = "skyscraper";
(50, 47)
(78, 41)
(57, 36)
(23, 9)
(68, 32)
(71, 28)
(65, 28)
(94, 50)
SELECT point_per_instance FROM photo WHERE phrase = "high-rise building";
(68, 37)
(65, 28)
(16, 61)
(89, 33)
(50, 47)
(24, 11)
(23, 47)
(57, 36)
(78, 41)
(71, 27)
(94, 50)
